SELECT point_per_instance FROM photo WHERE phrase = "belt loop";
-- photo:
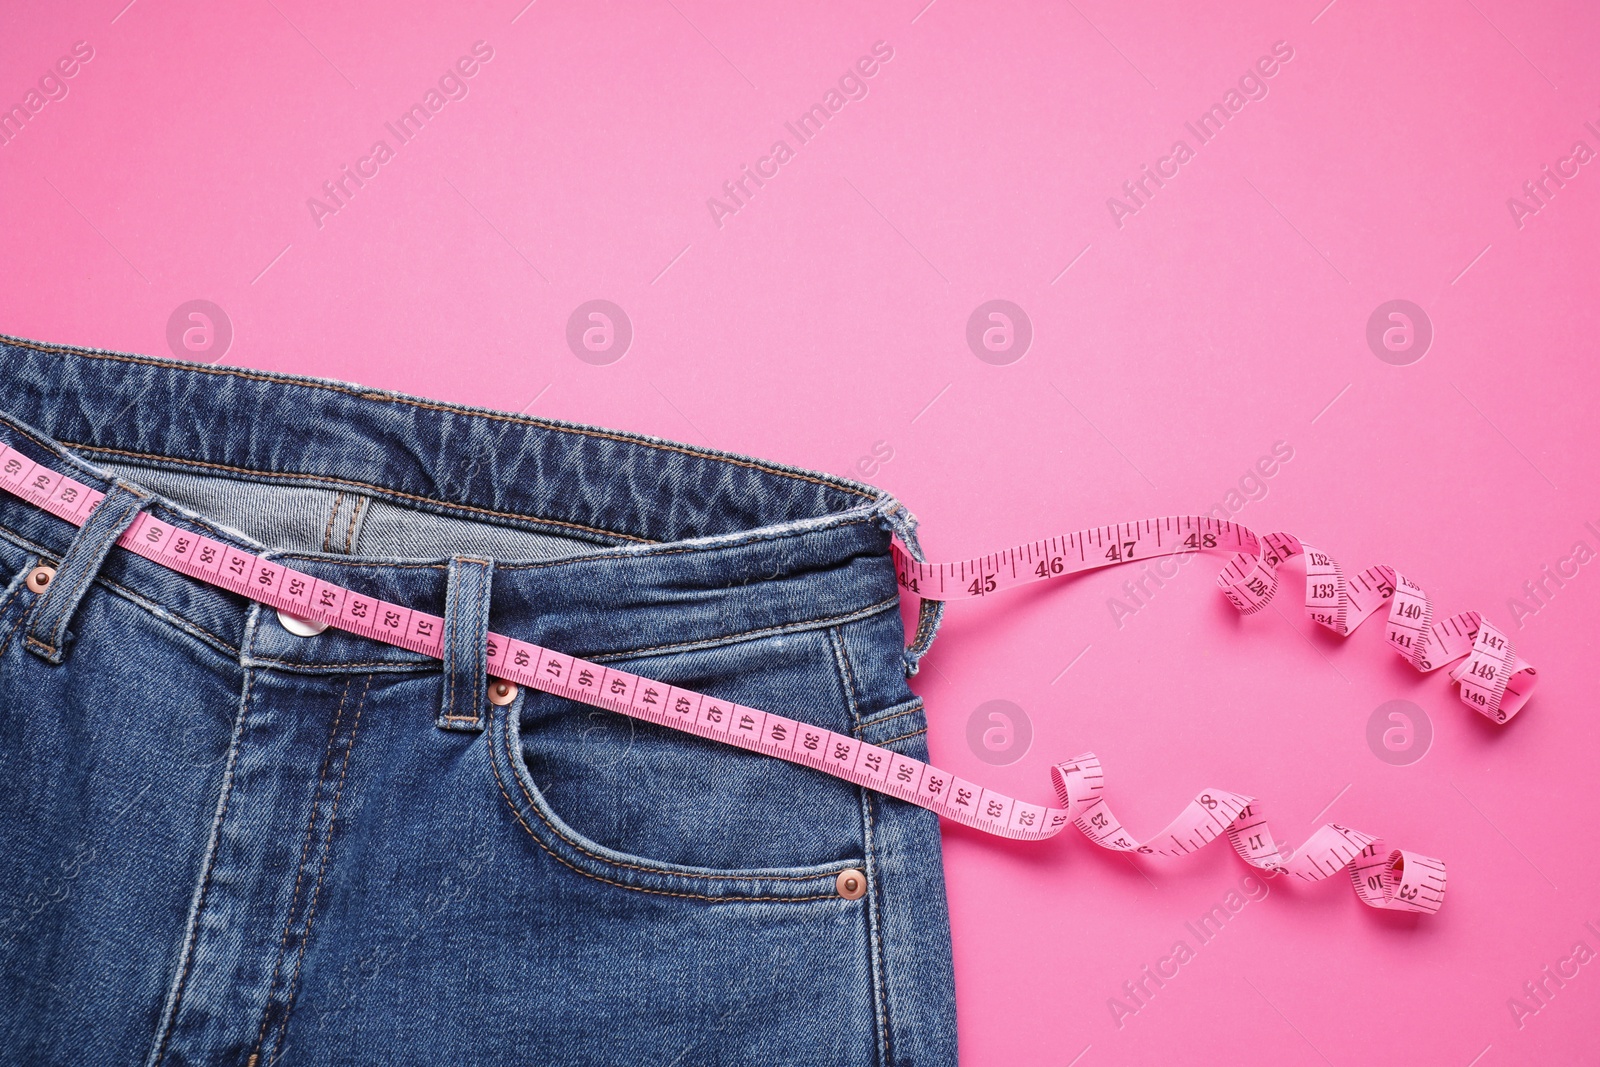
(48, 635)
(929, 614)
(898, 520)
(466, 640)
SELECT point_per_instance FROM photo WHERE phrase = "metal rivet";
(40, 577)
(301, 627)
(852, 884)
(502, 692)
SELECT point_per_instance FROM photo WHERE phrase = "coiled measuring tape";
(1493, 679)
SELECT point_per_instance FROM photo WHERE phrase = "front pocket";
(650, 808)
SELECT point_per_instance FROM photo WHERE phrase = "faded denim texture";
(227, 844)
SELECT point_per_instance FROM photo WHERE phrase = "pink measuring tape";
(1493, 679)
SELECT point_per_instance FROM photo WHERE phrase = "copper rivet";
(502, 693)
(852, 884)
(39, 578)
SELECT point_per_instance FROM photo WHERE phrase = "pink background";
(828, 315)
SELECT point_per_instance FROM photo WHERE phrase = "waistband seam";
(376, 490)
(227, 648)
(652, 550)
(180, 516)
(724, 540)
(174, 515)
(425, 405)
(750, 635)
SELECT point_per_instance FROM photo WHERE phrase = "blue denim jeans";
(226, 843)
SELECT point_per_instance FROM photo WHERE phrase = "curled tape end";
(1383, 878)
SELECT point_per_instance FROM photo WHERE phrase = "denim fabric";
(227, 844)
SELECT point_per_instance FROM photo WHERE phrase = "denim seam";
(480, 663)
(19, 582)
(170, 617)
(333, 513)
(376, 490)
(322, 872)
(880, 1005)
(652, 550)
(42, 442)
(454, 409)
(517, 814)
(910, 707)
(354, 520)
(846, 677)
(58, 450)
(925, 618)
(841, 658)
(777, 532)
(747, 635)
(138, 599)
(21, 618)
(902, 737)
(733, 877)
(305, 853)
(451, 620)
(192, 932)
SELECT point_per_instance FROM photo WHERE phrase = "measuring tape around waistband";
(1382, 877)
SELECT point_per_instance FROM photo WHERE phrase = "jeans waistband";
(633, 543)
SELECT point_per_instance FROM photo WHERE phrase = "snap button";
(852, 884)
(301, 627)
(502, 692)
(40, 577)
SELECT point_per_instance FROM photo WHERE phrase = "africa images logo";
(50, 87)
(451, 85)
(1252, 85)
(851, 85)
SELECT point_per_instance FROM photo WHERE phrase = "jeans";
(228, 843)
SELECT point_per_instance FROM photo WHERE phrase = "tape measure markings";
(1493, 679)
(1382, 877)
